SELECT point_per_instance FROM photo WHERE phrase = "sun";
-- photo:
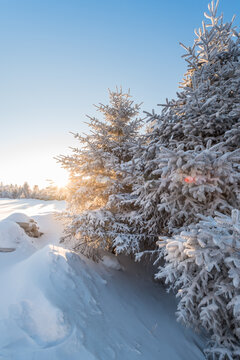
(61, 182)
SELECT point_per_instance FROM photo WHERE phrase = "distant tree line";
(24, 191)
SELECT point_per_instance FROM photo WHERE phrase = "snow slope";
(57, 305)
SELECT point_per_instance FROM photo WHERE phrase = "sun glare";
(60, 181)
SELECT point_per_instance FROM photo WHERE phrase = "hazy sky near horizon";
(58, 57)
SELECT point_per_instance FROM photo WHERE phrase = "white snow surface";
(18, 217)
(112, 262)
(58, 305)
(11, 235)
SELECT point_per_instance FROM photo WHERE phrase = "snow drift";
(58, 305)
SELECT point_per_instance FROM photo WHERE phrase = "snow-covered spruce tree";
(179, 170)
(203, 264)
(193, 170)
(207, 107)
(100, 189)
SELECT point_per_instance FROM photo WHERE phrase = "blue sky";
(58, 57)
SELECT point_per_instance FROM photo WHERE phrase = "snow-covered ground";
(57, 305)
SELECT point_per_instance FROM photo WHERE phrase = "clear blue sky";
(58, 57)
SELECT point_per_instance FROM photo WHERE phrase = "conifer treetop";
(207, 107)
(120, 109)
(213, 41)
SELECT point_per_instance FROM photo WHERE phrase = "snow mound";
(111, 262)
(19, 217)
(26, 223)
(12, 235)
(26, 308)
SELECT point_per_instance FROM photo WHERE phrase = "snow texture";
(58, 305)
